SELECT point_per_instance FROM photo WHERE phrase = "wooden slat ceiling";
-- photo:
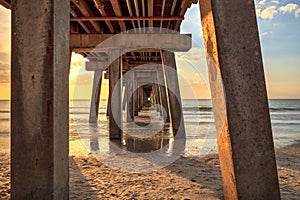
(114, 16)
(126, 9)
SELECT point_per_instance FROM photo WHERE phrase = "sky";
(279, 28)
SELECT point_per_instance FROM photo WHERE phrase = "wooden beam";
(102, 11)
(156, 18)
(102, 65)
(150, 12)
(5, 4)
(87, 12)
(132, 57)
(185, 4)
(141, 62)
(118, 12)
(131, 42)
(137, 12)
(85, 28)
(92, 49)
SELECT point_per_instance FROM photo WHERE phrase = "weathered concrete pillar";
(115, 90)
(145, 98)
(157, 99)
(141, 91)
(124, 102)
(95, 99)
(108, 103)
(129, 94)
(164, 100)
(173, 92)
(40, 99)
(238, 89)
(135, 99)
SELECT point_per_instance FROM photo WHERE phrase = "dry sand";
(187, 178)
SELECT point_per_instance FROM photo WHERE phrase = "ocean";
(198, 117)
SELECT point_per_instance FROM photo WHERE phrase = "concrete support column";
(141, 91)
(145, 98)
(157, 99)
(135, 100)
(124, 97)
(129, 94)
(164, 100)
(115, 90)
(173, 92)
(40, 99)
(240, 103)
(95, 99)
(108, 103)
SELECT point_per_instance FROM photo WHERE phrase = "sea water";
(198, 119)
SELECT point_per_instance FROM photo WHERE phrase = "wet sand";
(187, 178)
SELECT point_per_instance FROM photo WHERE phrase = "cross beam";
(130, 42)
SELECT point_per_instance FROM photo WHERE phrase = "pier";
(44, 33)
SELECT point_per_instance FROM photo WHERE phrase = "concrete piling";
(40, 100)
(240, 102)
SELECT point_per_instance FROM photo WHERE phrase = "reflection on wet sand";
(146, 134)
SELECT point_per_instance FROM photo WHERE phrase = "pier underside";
(133, 44)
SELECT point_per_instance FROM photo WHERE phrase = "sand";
(187, 178)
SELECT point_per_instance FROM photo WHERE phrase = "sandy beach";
(187, 178)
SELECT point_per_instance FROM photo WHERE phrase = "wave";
(284, 109)
(85, 113)
(85, 110)
(285, 124)
(197, 108)
(4, 111)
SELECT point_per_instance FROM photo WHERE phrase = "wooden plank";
(185, 4)
(5, 4)
(150, 11)
(102, 11)
(118, 12)
(87, 12)
(156, 18)
(129, 42)
(85, 28)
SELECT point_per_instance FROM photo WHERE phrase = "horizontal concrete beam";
(94, 66)
(145, 74)
(131, 42)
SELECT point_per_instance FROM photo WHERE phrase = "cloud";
(266, 33)
(289, 8)
(297, 12)
(263, 2)
(267, 13)
(268, 9)
(275, 1)
(194, 54)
